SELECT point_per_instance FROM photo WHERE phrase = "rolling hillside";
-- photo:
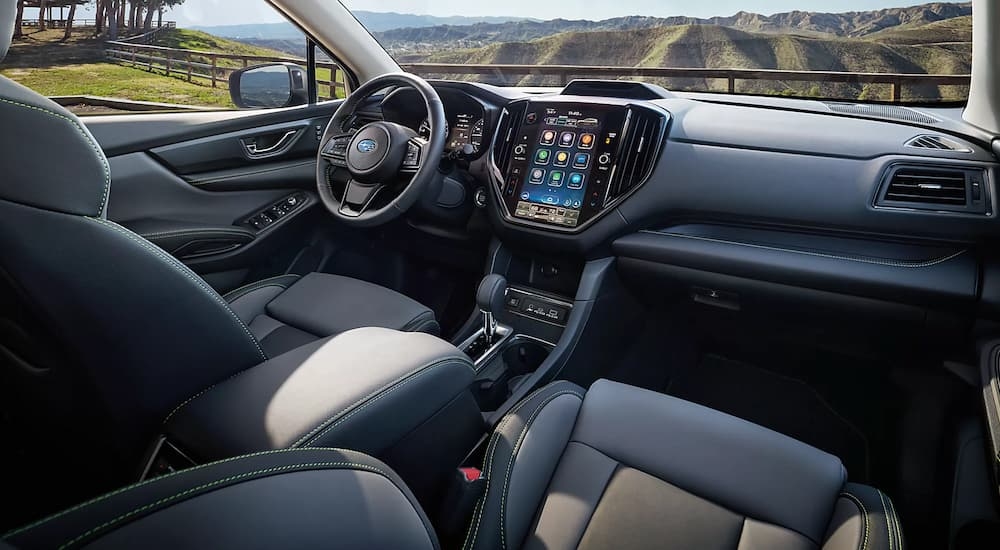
(850, 24)
(724, 47)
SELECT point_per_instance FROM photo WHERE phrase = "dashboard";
(838, 197)
(573, 170)
(467, 117)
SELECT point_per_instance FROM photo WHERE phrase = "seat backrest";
(623, 467)
(306, 498)
(101, 332)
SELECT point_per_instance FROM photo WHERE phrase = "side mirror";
(268, 86)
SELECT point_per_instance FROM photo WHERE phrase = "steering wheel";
(372, 175)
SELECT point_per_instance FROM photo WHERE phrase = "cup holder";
(509, 366)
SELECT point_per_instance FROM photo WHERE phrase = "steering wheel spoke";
(335, 149)
(415, 157)
(358, 197)
(382, 151)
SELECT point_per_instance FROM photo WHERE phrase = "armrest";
(365, 389)
(190, 240)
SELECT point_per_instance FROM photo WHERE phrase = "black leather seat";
(102, 333)
(627, 468)
(315, 498)
(289, 311)
(617, 468)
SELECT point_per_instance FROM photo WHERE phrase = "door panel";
(121, 134)
(256, 148)
(191, 184)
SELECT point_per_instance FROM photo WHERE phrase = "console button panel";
(538, 307)
(267, 216)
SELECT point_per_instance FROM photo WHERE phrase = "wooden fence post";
(214, 63)
(897, 91)
(187, 58)
(168, 63)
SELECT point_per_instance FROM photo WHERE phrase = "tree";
(42, 4)
(153, 7)
(19, 19)
(69, 21)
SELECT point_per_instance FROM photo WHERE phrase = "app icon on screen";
(548, 137)
(556, 179)
(575, 181)
(542, 156)
(525, 196)
(587, 141)
(537, 176)
(581, 160)
(567, 139)
(562, 158)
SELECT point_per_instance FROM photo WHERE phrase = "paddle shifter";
(490, 298)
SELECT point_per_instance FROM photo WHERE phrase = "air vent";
(506, 129)
(639, 150)
(938, 143)
(935, 188)
(891, 112)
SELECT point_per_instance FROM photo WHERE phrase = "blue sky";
(603, 9)
(231, 12)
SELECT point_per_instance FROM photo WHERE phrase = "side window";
(109, 56)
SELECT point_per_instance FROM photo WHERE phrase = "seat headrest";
(8, 12)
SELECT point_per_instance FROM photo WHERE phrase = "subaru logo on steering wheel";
(367, 145)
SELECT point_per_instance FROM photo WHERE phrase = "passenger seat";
(617, 467)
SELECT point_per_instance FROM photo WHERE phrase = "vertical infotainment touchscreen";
(561, 162)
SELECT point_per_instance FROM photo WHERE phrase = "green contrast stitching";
(97, 150)
(148, 481)
(864, 515)
(378, 394)
(182, 494)
(186, 272)
(252, 286)
(473, 532)
(513, 457)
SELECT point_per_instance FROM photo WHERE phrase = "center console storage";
(400, 396)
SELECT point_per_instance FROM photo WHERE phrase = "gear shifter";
(490, 298)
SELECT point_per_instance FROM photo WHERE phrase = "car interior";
(443, 314)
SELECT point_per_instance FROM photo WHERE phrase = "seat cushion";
(624, 467)
(315, 498)
(286, 312)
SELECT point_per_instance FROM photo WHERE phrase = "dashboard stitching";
(859, 259)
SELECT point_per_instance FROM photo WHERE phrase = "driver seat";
(102, 333)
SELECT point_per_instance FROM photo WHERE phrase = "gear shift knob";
(490, 299)
(491, 293)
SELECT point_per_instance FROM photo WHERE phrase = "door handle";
(281, 145)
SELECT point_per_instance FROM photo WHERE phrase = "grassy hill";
(803, 23)
(956, 30)
(46, 63)
(724, 47)
(189, 39)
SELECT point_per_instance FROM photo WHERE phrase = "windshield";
(859, 50)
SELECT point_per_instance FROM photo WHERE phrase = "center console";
(562, 163)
